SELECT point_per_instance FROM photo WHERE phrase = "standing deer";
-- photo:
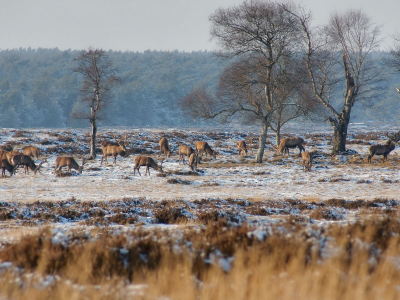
(5, 165)
(27, 162)
(147, 162)
(31, 151)
(111, 149)
(69, 162)
(292, 142)
(183, 151)
(204, 147)
(10, 154)
(193, 161)
(241, 145)
(164, 147)
(307, 158)
(381, 150)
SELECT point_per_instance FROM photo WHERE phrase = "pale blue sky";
(138, 25)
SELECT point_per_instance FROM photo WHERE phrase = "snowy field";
(228, 176)
(222, 216)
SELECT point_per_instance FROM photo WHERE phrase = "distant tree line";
(39, 88)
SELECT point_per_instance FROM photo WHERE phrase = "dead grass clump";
(186, 173)
(338, 179)
(65, 139)
(178, 181)
(171, 215)
(326, 214)
(208, 217)
(122, 219)
(258, 211)
(354, 204)
(61, 174)
(364, 181)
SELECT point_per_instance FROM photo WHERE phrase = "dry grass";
(218, 261)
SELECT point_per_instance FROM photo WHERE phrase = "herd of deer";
(10, 160)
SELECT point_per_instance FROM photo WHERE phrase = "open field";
(233, 229)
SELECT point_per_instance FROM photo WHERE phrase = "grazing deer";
(193, 161)
(5, 165)
(204, 147)
(31, 151)
(292, 142)
(9, 154)
(381, 150)
(183, 151)
(307, 158)
(111, 149)
(147, 162)
(27, 162)
(241, 145)
(69, 162)
(164, 147)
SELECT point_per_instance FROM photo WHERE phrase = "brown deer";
(164, 147)
(27, 162)
(204, 147)
(147, 162)
(292, 142)
(9, 154)
(111, 149)
(5, 165)
(183, 151)
(307, 158)
(381, 150)
(69, 162)
(31, 151)
(241, 145)
(193, 161)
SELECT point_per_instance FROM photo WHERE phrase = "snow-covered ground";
(228, 176)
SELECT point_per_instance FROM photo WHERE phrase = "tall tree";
(98, 79)
(338, 60)
(262, 33)
(393, 61)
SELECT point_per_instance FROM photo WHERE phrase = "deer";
(241, 145)
(5, 165)
(307, 158)
(164, 147)
(204, 147)
(292, 142)
(183, 151)
(381, 150)
(69, 162)
(111, 149)
(147, 162)
(27, 162)
(9, 154)
(31, 151)
(193, 160)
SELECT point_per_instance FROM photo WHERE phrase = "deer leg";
(115, 159)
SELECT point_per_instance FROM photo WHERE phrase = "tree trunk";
(263, 138)
(278, 134)
(93, 134)
(339, 134)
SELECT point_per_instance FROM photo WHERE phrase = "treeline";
(38, 88)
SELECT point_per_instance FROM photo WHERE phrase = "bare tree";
(393, 61)
(98, 79)
(338, 60)
(263, 34)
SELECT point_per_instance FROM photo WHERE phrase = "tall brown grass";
(295, 260)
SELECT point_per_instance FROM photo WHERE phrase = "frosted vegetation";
(233, 228)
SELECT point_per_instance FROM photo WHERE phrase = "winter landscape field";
(232, 229)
